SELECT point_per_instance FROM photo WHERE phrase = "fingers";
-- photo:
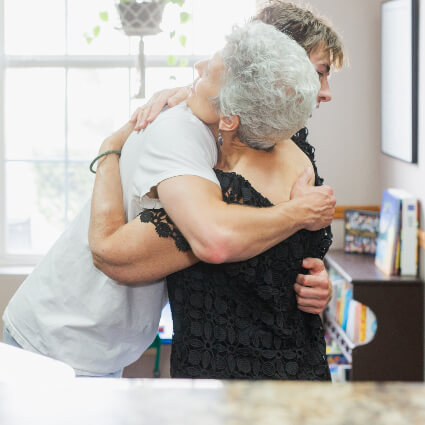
(148, 112)
(314, 265)
(156, 108)
(320, 280)
(326, 189)
(142, 115)
(311, 305)
(307, 293)
(313, 292)
(311, 310)
(181, 95)
(298, 187)
(134, 116)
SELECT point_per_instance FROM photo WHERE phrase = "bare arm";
(220, 232)
(127, 252)
(133, 252)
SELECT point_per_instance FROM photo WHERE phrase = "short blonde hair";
(309, 31)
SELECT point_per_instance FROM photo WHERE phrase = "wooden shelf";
(396, 353)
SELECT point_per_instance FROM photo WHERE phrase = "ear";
(229, 123)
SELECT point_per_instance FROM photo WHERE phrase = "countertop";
(163, 401)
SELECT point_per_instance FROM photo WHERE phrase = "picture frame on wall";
(399, 79)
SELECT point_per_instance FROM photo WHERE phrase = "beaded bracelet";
(100, 156)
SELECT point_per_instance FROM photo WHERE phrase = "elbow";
(99, 253)
(98, 262)
(116, 272)
(214, 247)
(102, 265)
(103, 261)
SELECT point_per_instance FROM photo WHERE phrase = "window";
(61, 96)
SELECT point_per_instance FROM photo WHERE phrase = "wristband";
(100, 156)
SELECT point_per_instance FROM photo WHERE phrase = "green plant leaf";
(172, 34)
(104, 16)
(182, 40)
(88, 38)
(183, 62)
(184, 17)
(96, 30)
(171, 60)
(179, 2)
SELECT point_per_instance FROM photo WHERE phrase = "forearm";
(126, 252)
(220, 232)
(107, 211)
(134, 253)
(250, 231)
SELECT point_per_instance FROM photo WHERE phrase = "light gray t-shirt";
(69, 310)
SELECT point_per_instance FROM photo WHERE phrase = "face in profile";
(205, 87)
(320, 58)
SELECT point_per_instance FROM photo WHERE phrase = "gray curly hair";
(269, 83)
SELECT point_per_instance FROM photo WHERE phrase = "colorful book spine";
(362, 329)
(397, 247)
(348, 298)
(389, 228)
(409, 236)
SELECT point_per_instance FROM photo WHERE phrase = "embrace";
(219, 195)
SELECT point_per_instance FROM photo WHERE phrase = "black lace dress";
(240, 320)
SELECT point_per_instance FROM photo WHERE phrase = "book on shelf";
(409, 234)
(355, 319)
(397, 246)
(348, 297)
(360, 231)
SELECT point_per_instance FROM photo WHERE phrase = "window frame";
(66, 62)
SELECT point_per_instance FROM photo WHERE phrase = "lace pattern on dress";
(241, 320)
(300, 139)
(164, 227)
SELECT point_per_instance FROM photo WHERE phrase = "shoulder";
(300, 139)
(177, 129)
(292, 158)
(179, 117)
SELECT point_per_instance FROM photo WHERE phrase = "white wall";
(396, 173)
(346, 131)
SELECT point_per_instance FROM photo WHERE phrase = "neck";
(231, 152)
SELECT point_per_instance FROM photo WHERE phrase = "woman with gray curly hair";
(273, 89)
(240, 320)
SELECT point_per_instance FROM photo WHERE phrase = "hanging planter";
(141, 18)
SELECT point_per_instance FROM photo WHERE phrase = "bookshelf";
(396, 353)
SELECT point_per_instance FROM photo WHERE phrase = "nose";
(325, 94)
(200, 66)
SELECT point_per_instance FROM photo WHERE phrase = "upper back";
(274, 173)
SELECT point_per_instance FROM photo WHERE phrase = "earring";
(220, 139)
